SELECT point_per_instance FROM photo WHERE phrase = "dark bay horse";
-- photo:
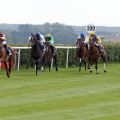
(50, 55)
(81, 53)
(36, 51)
(7, 60)
(94, 54)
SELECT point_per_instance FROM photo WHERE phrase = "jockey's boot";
(7, 50)
(44, 48)
(53, 49)
(86, 45)
(100, 49)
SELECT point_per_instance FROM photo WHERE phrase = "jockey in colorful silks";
(82, 38)
(3, 41)
(41, 39)
(96, 40)
(49, 38)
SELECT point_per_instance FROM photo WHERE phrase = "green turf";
(64, 95)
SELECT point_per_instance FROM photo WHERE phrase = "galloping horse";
(7, 60)
(94, 55)
(81, 53)
(49, 55)
(36, 51)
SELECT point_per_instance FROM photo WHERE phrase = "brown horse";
(36, 51)
(7, 60)
(81, 53)
(94, 54)
(49, 56)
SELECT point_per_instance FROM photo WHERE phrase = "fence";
(18, 50)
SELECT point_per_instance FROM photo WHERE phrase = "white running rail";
(58, 47)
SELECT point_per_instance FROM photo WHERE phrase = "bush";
(112, 50)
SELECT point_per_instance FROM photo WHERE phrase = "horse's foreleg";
(49, 65)
(90, 66)
(36, 63)
(104, 65)
(89, 63)
(91, 69)
(42, 63)
(96, 67)
(80, 64)
(7, 69)
(85, 64)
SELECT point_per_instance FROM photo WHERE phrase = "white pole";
(15, 60)
(18, 65)
(67, 57)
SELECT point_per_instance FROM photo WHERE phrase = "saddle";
(100, 48)
(8, 49)
(51, 46)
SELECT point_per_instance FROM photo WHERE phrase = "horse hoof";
(88, 67)
(90, 71)
(105, 71)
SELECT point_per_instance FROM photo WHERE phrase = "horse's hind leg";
(104, 64)
(55, 58)
(104, 60)
(10, 64)
(7, 69)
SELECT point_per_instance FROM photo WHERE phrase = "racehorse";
(81, 53)
(49, 56)
(7, 60)
(36, 51)
(94, 54)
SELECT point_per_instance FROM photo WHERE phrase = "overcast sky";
(71, 12)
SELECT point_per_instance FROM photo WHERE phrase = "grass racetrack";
(63, 95)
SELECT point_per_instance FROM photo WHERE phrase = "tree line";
(63, 34)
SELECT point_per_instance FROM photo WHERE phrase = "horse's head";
(33, 40)
(93, 49)
(79, 43)
(91, 42)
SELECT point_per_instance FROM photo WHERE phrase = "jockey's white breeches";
(96, 44)
(4, 42)
(42, 42)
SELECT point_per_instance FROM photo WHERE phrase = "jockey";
(49, 38)
(82, 38)
(96, 40)
(3, 41)
(41, 40)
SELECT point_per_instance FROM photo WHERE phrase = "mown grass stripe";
(64, 95)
